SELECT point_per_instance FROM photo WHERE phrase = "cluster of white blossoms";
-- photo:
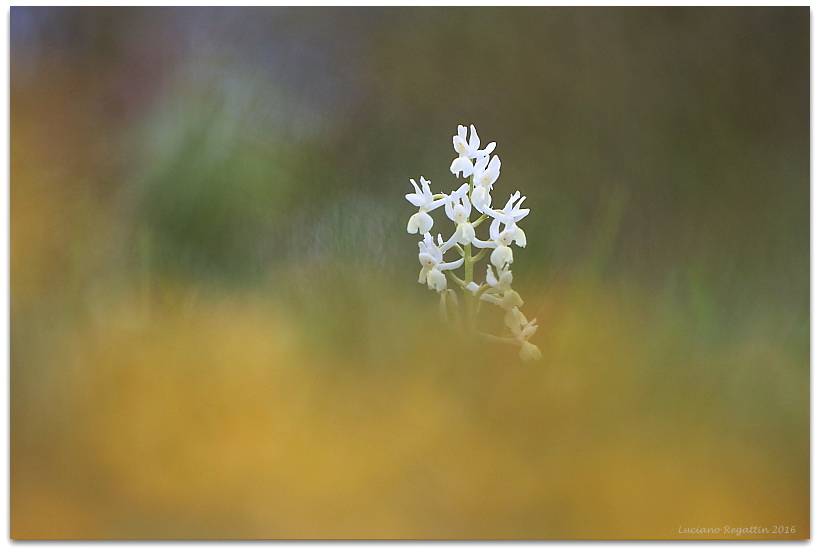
(474, 164)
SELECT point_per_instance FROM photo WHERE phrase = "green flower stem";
(481, 289)
(472, 302)
(469, 299)
(479, 255)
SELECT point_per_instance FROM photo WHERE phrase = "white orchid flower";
(518, 324)
(481, 198)
(483, 170)
(513, 207)
(529, 352)
(421, 221)
(486, 171)
(458, 210)
(500, 284)
(510, 215)
(501, 292)
(431, 257)
(467, 150)
(500, 243)
(522, 330)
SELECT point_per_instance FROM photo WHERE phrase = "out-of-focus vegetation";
(216, 330)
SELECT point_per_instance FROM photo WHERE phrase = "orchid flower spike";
(475, 164)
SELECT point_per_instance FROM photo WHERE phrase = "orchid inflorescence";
(474, 163)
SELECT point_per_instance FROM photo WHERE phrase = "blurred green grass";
(216, 330)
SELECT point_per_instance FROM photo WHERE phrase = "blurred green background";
(216, 329)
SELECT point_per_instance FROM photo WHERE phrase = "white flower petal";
(505, 278)
(448, 210)
(483, 243)
(474, 141)
(501, 256)
(461, 147)
(452, 241)
(509, 205)
(436, 280)
(511, 299)
(486, 151)
(491, 280)
(460, 192)
(481, 198)
(495, 165)
(451, 265)
(425, 189)
(528, 330)
(420, 222)
(495, 226)
(416, 199)
(519, 237)
(480, 165)
(462, 165)
(465, 232)
(427, 260)
(529, 352)
(413, 224)
(515, 319)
